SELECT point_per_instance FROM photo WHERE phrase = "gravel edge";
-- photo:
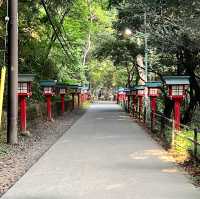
(19, 158)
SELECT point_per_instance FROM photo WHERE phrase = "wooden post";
(78, 100)
(140, 105)
(73, 102)
(128, 103)
(134, 105)
(177, 113)
(62, 103)
(23, 113)
(49, 114)
(153, 112)
(195, 142)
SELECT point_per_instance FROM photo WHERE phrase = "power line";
(56, 33)
(62, 28)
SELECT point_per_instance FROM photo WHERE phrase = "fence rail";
(185, 141)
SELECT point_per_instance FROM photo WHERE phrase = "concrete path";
(104, 155)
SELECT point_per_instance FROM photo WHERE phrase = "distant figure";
(99, 95)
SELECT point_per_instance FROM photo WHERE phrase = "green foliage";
(102, 74)
(40, 51)
(173, 38)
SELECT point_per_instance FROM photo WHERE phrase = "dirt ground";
(17, 159)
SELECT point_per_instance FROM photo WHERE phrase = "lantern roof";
(126, 89)
(25, 77)
(177, 80)
(120, 89)
(139, 87)
(153, 84)
(44, 83)
(61, 85)
(83, 88)
(132, 88)
(73, 86)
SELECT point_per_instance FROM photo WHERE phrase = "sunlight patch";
(172, 170)
(114, 186)
(138, 157)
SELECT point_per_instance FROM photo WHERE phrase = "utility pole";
(146, 65)
(146, 46)
(12, 72)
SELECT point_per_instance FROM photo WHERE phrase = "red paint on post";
(62, 103)
(81, 100)
(134, 104)
(153, 110)
(140, 103)
(153, 104)
(177, 112)
(49, 115)
(23, 112)
(129, 103)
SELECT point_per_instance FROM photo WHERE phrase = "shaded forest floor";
(17, 159)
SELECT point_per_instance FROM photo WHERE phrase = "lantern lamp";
(24, 90)
(153, 92)
(140, 90)
(153, 88)
(61, 90)
(126, 93)
(25, 84)
(48, 87)
(48, 91)
(120, 95)
(83, 94)
(177, 86)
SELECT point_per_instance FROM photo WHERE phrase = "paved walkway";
(104, 155)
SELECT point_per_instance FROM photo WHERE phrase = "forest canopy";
(78, 40)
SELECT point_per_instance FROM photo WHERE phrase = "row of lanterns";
(176, 91)
(49, 88)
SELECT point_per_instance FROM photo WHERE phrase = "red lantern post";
(177, 86)
(49, 112)
(128, 99)
(153, 93)
(24, 90)
(61, 90)
(121, 95)
(23, 113)
(48, 92)
(140, 95)
(134, 101)
(62, 96)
